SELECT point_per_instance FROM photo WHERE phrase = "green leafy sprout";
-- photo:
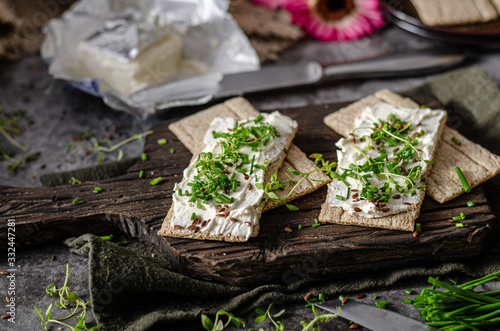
(104, 145)
(326, 166)
(218, 324)
(67, 300)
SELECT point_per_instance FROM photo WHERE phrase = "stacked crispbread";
(477, 164)
(456, 12)
(191, 131)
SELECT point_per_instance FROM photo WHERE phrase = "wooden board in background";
(45, 214)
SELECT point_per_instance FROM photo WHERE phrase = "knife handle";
(398, 65)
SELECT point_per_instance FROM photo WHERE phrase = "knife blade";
(201, 90)
(373, 318)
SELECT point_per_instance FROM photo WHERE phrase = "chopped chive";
(459, 225)
(456, 218)
(456, 141)
(462, 179)
(339, 197)
(418, 228)
(172, 151)
(97, 189)
(316, 221)
(251, 165)
(470, 204)
(258, 119)
(300, 227)
(179, 192)
(193, 216)
(76, 201)
(341, 297)
(375, 297)
(381, 304)
(462, 216)
(408, 291)
(156, 180)
(316, 225)
(199, 206)
(161, 141)
(144, 157)
(141, 173)
(406, 300)
(106, 237)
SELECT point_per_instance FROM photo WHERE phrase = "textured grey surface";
(61, 113)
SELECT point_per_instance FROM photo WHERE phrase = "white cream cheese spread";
(231, 211)
(381, 172)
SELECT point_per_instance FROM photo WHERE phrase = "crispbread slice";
(454, 12)
(477, 163)
(404, 221)
(168, 230)
(191, 130)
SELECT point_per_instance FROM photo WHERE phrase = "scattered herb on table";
(97, 190)
(273, 318)
(144, 157)
(314, 323)
(172, 151)
(104, 145)
(218, 325)
(74, 181)
(460, 307)
(141, 173)
(381, 304)
(156, 181)
(471, 204)
(77, 202)
(67, 300)
(161, 141)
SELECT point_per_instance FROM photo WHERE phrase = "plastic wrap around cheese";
(157, 64)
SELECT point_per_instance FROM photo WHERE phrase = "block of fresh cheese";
(383, 167)
(221, 195)
(156, 64)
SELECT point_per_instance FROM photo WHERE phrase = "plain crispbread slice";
(168, 230)
(191, 130)
(477, 163)
(455, 12)
(404, 221)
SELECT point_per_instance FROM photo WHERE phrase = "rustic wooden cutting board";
(45, 214)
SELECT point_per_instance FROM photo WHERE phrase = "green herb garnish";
(77, 202)
(161, 141)
(172, 151)
(104, 145)
(218, 325)
(141, 173)
(381, 304)
(144, 157)
(67, 300)
(456, 141)
(470, 204)
(462, 179)
(459, 307)
(155, 181)
(97, 190)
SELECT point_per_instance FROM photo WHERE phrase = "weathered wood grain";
(137, 208)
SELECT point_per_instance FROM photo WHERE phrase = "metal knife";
(373, 318)
(200, 90)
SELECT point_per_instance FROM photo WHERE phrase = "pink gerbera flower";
(335, 20)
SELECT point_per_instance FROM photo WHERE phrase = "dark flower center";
(334, 9)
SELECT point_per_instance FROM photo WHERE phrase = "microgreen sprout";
(67, 300)
(273, 318)
(218, 325)
(314, 323)
(104, 145)
(326, 166)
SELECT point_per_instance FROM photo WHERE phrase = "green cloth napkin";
(132, 288)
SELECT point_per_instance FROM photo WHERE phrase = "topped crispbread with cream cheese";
(221, 196)
(382, 167)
